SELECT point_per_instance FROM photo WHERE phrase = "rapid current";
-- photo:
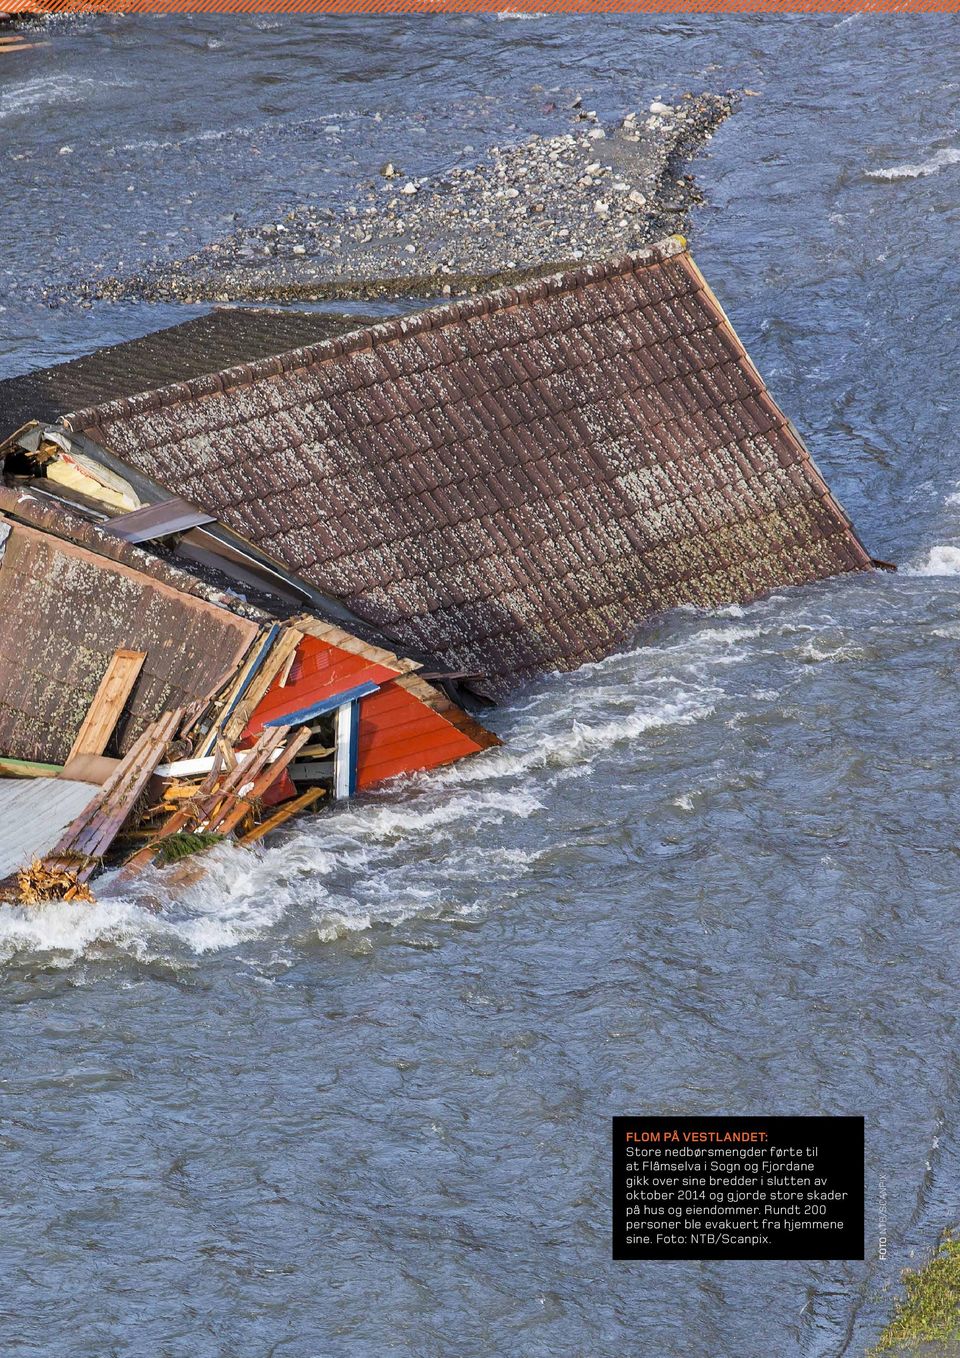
(350, 1095)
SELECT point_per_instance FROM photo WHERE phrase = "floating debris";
(246, 594)
(39, 883)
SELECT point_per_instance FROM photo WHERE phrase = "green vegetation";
(184, 843)
(930, 1312)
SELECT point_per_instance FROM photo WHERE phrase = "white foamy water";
(427, 844)
(574, 744)
(943, 559)
(950, 155)
(391, 858)
(28, 96)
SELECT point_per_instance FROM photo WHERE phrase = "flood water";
(351, 1094)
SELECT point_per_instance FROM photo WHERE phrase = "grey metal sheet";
(157, 521)
(34, 812)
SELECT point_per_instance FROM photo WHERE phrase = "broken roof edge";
(58, 516)
(371, 336)
(49, 515)
(826, 495)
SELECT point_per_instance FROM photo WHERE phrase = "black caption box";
(738, 1188)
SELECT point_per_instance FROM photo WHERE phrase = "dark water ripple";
(350, 1096)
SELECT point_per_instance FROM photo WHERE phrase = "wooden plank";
(75, 832)
(264, 780)
(322, 706)
(286, 811)
(227, 753)
(117, 808)
(28, 768)
(95, 829)
(218, 805)
(345, 755)
(108, 703)
(256, 655)
(284, 674)
(223, 797)
(90, 768)
(282, 653)
(178, 821)
(346, 641)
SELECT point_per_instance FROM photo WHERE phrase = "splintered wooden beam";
(178, 821)
(226, 701)
(89, 836)
(282, 654)
(108, 703)
(28, 768)
(285, 812)
(253, 789)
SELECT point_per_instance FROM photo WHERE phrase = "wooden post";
(345, 758)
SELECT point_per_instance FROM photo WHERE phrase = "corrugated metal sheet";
(34, 814)
(511, 483)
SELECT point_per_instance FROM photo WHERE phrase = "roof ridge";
(371, 336)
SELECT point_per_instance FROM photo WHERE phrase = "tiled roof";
(205, 344)
(65, 610)
(511, 483)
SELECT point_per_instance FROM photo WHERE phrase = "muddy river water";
(350, 1095)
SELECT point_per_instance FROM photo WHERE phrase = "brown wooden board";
(285, 813)
(88, 838)
(265, 779)
(108, 703)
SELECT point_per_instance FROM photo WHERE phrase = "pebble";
(523, 205)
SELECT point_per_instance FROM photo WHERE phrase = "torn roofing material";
(223, 337)
(511, 483)
(76, 601)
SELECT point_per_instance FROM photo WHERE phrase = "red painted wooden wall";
(398, 732)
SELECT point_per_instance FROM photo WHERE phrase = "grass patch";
(930, 1311)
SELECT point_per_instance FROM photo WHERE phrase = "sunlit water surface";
(350, 1094)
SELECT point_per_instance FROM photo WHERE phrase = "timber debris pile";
(265, 560)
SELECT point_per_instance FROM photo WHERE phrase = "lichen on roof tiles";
(514, 482)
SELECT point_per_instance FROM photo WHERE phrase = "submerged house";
(105, 645)
(509, 484)
(440, 505)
